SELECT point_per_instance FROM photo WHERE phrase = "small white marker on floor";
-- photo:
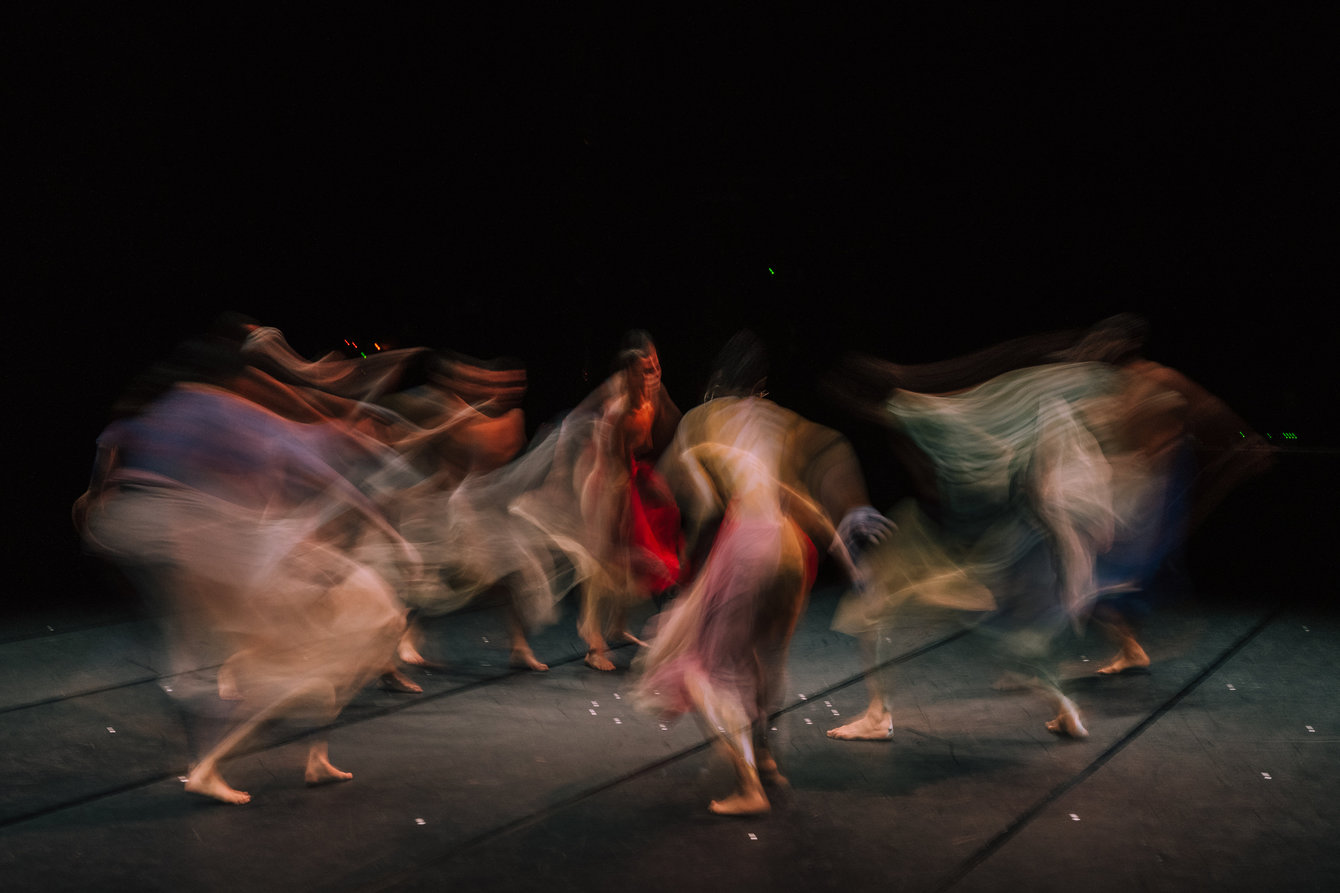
(774, 728)
(593, 713)
(112, 730)
(181, 778)
(809, 722)
(1305, 629)
(664, 727)
(420, 822)
(828, 703)
(1230, 687)
(1309, 728)
(1266, 776)
(802, 697)
(1083, 659)
(52, 630)
(753, 837)
(835, 713)
(485, 638)
(595, 703)
(1074, 818)
(617, 721)
(616, 697)
(167, 688)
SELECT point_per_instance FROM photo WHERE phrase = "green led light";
(771, 271)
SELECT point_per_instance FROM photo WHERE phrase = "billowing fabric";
(1017, 469)
(222, 514)
(720, 648)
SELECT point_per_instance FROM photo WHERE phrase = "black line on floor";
(271, 744)
(485, 837)
(1025, 818)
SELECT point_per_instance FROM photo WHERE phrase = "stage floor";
(1216, 770)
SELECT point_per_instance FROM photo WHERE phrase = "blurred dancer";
(1175, 451)
(1016, 504)
(603, 504)
(762, 483)
(632, 518)
(472, 427)
(220, 511)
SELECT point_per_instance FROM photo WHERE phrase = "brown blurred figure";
(1176, 451)
(469, 424)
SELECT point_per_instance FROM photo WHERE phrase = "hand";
(863, 527)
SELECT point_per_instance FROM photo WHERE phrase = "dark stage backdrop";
(914, 185)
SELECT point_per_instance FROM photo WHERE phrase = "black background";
(914, 184)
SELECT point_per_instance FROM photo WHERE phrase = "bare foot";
(1067, 722)
(211, 784)
(742, 803)
(1130, 659)
(524, 659)
(409, 655)
(320, 770)
(598, 661)
(867, 727)
(769, 773)
(394, 680)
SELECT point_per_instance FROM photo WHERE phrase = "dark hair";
(740, 368)
(210, 358)
(633, 346)
(637, 339)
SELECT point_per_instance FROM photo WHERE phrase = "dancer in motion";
(604, 506)
(1175, 451)
(229, 518)
(470, 427)
(761, 484)
(1016, 504)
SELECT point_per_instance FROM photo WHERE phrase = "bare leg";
(1067, 721)
(621, 624)
(319, 769)
(407, 649)
(876, 723)
(726, 721)
(521, 655)
(204, 777)
(394, 680)
(1130, 656)
(749, 797)
(206, 781)
(767, 763)
(590, 628)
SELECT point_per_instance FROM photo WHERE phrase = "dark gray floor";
(1215, 771)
